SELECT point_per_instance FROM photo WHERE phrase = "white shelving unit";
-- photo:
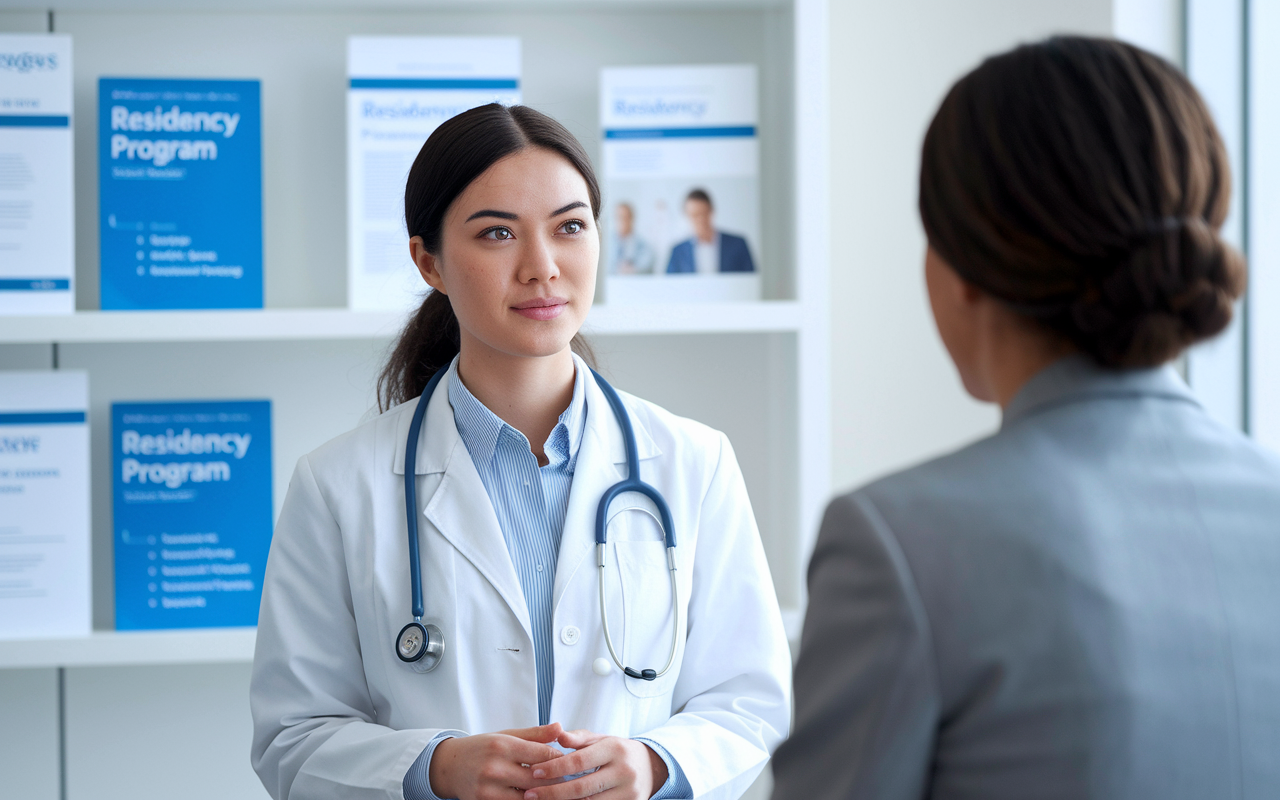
(758, 371)
(296, 324)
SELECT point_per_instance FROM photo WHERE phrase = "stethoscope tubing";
(631, 483)
(411, 492)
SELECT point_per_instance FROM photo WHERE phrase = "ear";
(428, 265)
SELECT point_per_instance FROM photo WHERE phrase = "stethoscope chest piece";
(421, 644)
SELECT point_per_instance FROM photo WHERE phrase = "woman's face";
(518, 256)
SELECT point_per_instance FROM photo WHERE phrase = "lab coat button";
(601, 667)
(570, 635)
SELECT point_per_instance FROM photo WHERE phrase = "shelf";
(201, 646)
(338, 323)
(286, 6)
(114, 648)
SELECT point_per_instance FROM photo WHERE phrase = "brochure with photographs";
(682, 189)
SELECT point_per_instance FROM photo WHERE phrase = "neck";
(1013, 352)
(707, 238)
(527, 393)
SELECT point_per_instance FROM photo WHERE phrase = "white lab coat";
(337, 714)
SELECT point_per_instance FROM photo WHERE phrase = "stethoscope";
(419, 642)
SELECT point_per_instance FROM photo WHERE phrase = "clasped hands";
(521, 765)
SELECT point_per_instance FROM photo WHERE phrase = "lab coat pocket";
(648, 615)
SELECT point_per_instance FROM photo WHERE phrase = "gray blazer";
(1084, 605)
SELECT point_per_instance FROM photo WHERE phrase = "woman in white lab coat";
(501, 206)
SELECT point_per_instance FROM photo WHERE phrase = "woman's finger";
(541, 733)
(596, 783)
(513, 776)
(519, 751)
(578, 739)
(590, 757)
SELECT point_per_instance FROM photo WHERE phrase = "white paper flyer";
(37, 246)
(400, 90)
(44, 505)
(682, 190)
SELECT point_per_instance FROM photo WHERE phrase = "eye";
(573, 226)
(497, 234)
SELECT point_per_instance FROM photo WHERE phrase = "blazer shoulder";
(681, 258)
(957, 486)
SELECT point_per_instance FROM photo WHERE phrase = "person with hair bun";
(1083, 605)
(516, 583)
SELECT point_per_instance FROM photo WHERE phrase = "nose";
(537, 261)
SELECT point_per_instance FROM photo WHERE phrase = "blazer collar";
(1077, 378)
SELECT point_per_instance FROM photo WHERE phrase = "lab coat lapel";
(460, 507)
(602, 458)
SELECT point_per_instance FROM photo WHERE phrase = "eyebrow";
(489, 212)
(570, 207)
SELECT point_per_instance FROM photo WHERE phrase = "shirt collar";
(1077, 377)
(481, 429)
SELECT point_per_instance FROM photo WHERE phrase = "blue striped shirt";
(530, 502)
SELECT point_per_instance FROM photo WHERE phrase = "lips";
(541, 308)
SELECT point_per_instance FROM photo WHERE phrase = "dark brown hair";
(455, 154)
(700, 195)
(1083, 183)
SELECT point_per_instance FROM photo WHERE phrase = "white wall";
(895, 397)
(1156, 25)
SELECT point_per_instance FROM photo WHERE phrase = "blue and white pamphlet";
(37, 213)
(44, 504)
(681, 153)
(192, 512)
(180, 189)
(401, 89)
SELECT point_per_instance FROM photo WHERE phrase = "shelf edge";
(141, 648)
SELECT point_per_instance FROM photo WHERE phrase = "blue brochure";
(180, 188)
(192, 508)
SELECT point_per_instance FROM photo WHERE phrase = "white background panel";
(1264, 224)
(29, 734)
(160, 732)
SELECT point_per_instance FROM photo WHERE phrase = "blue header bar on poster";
(435, 83)
(43, 418)
(30, 121)
(680, 133)
(34, 284)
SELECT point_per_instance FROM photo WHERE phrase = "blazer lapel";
(460, 508)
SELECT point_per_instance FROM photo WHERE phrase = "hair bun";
(1176, 286)
(1083, 182)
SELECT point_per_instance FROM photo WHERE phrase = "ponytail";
(427, 345)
